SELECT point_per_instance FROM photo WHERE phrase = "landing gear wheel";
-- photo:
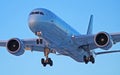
(39, 41)
(43, 62)
(50, 62)
(47, 60)
(92, 59)
(85, 60)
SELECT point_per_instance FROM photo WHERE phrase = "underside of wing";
(115, 37)
(18, 46)
(3, 43)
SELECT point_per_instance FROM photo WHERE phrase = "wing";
(115, 37)
(86, 41)
(3, 43)
(30, 44)
(27, 44)
(91, 42)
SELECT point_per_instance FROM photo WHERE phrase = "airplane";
(58, 37)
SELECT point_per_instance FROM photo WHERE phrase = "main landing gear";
(89, 59)
(47, 60)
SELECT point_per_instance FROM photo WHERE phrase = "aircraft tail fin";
(90, 26)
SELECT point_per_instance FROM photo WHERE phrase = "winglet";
(90, 26)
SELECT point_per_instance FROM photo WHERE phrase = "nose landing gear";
(48, 60)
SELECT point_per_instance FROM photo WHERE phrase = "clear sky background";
(14, 23)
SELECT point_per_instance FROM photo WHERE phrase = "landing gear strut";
(39, 40)
(47, 60)
(89, 59)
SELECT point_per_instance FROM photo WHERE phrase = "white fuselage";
(58, 33)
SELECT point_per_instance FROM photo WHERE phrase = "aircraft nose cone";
(31, 21)
(34, 22)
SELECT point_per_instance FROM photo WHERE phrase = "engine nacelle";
(103, 40)
(15, 46)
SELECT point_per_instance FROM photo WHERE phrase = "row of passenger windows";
(37, 12)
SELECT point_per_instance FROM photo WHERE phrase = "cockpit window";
(37, 12)
(41, 13)
(31, 13)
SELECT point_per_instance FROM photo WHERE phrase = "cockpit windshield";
(37, 12)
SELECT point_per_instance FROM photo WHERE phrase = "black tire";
(41, 41)
(37, 41)
(92, 59)
(50, 62)
(43, 62)
(85, 60)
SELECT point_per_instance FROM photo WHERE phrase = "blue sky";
(14, 23)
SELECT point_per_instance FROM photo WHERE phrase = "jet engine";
(15, 46)
(103, 40)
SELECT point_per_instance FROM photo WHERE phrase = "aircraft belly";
(58, 39)
(72, 51)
